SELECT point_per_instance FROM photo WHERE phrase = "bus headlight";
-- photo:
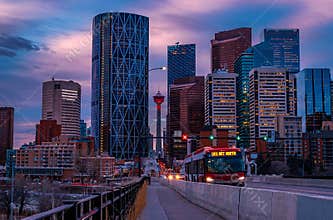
(209, 179)
(241, 178)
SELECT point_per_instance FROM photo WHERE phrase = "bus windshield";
(225, 164)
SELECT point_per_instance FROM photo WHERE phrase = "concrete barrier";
(245, 203)
(324, 183)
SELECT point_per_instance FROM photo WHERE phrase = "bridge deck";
(164, 203)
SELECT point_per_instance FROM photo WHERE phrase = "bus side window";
(187, 168)
(201, 166)
(193, 167)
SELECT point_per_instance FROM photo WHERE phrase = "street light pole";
(11, 216)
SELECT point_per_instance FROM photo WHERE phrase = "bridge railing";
(113, 204)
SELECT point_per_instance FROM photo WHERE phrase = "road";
(163, 203)
(323, 191)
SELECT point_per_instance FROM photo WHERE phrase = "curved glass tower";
(120, 84)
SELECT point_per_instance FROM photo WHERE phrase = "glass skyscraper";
(120, 84)
(313, 93)
(285, 47)
(181, 61)
(262, 55)
(243, 66)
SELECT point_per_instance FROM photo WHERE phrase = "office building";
(331, 98)
(289, 138)
(186, 114)
(181, 62)
(220, 137)
(285, 47)
(46, 130)
(119, 105)
(262, 55)
(268, 99)
(61, 101)
(220, 103)
(227, 46)
(83, 128)
(292, 94)
(313, 93)
(6, 131)
(243, 66)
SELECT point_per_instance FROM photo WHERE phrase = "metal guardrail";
(113, 204)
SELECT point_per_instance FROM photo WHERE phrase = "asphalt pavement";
(163, 203)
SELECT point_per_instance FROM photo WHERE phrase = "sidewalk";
(163, 203)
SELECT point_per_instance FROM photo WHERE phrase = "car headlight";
(209, 179)
(241, 178)
(170, 177)
(177, 177)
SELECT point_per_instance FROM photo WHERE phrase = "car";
(176, 176)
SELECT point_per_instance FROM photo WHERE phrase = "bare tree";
(22, 192)
(50, 197)
(5, 202)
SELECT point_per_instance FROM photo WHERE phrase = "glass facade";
(181, 62)
(120, 84)
(285, 47)
(262, 55)
(313, 93)
(243, 66)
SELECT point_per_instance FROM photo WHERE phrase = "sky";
(41, 39)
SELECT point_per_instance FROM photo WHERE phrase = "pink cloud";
(310, 14)
(22, 138)
(25, 10)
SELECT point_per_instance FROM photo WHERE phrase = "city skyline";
(30, 55)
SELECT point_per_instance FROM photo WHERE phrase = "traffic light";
(211, 137)
(184, 137)
(238, 138)
(265, 138)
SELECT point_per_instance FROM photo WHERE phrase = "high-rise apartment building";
(227, 46)
(243, 66)
(6, 131)
(220, 103)
(119, 102)
(186, 111)
(313, 93)
(46, 130)
(181, 61)
(268, 99)
(61, 101)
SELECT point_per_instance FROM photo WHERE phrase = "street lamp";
(158, 68)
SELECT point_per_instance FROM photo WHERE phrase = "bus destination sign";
(223, 153)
